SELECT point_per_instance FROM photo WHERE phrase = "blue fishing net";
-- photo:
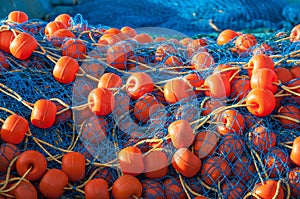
(101, 138)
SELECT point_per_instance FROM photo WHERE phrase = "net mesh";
(231, 164)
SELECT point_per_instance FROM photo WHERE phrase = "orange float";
(138, 84)
(153, 189)
(202, 61)
(244, 169)
(226, 36)
(53, 26)
(17, 17)
(233, 189)
(176, 90)
(164, 50)
(14, 129)
(259, 61)
(210, 105)
(7, 153)
(126, 186)
(260, 102)
(217, 86)
(264, 78)
(24, 190)
(295, 34)
(231, 121)
(74, 48)
(263, 49)
(240, 88)
(225, 70)
(102, 101)
(131, 161)
(144, 107)
(173, 188)
(59, 36)
(65, 69)
(116, 56)
(156, 164)
(295, 153)
(6, 37)
(33, 160)
(65, 19)
(295, 70)
(232, 147)
(110, 80)
(23, 46)
(205, 144)
(143, 38)
(53, 183)
(109, 39)
(276, 161)
(186, 163)
(263, 139)
(268, 190)
(129, 31)
(96, 188)
(289, 111)
(43, 114)
(283, 74)
(181, 133)
(244, 43)
(293, 179)
(215, 169)
(73, 164)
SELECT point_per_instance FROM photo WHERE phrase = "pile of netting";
(98, 112)
(193, 16)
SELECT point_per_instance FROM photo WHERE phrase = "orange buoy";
(260, 102)
(74, 48)
(43, 114)
(173, 188)
(65, 69)
(73, 164)
(53, 26)
(143, 38)
(295, 70)
(263, 49)
(181, 133)
(13, 129)
(53, 183)
(116, 56)
(210, 105)
(110, 80)
(268, 190)
(291, 111)
(6, 37)
(65, 19)
(144, 107)
(7, 153)
(186, 163)
(164, 50)
(176, 90)
(283, 74)
(131, 161)
(295, 151)
(264, 78)
(24, 190)
(240, 88)
(205, 144)
(23, 46)
(153, 189)
(17, 17)
(202, 61)
(259, 61)
(232, 147)
(276, 162)
(233, 189)
(231, 121)
(138, 84)
(102, 101)
(129, 31)
(126, 186)
(59, 36)
(33, 160)
(293, 179)
(263, 139)
(295, 34)
(244, 43)
(185, 41)
(244, 168)
(96, 188)
(225, 70)
(226, 36)
(109, 39)
(156, 164)
(215, 169)
(217, 86)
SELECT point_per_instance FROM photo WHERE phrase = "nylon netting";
(194, 16)
(231, 163)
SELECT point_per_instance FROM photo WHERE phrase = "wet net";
(175, 115)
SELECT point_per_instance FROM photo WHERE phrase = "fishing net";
(194, 16)
(230, 150)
